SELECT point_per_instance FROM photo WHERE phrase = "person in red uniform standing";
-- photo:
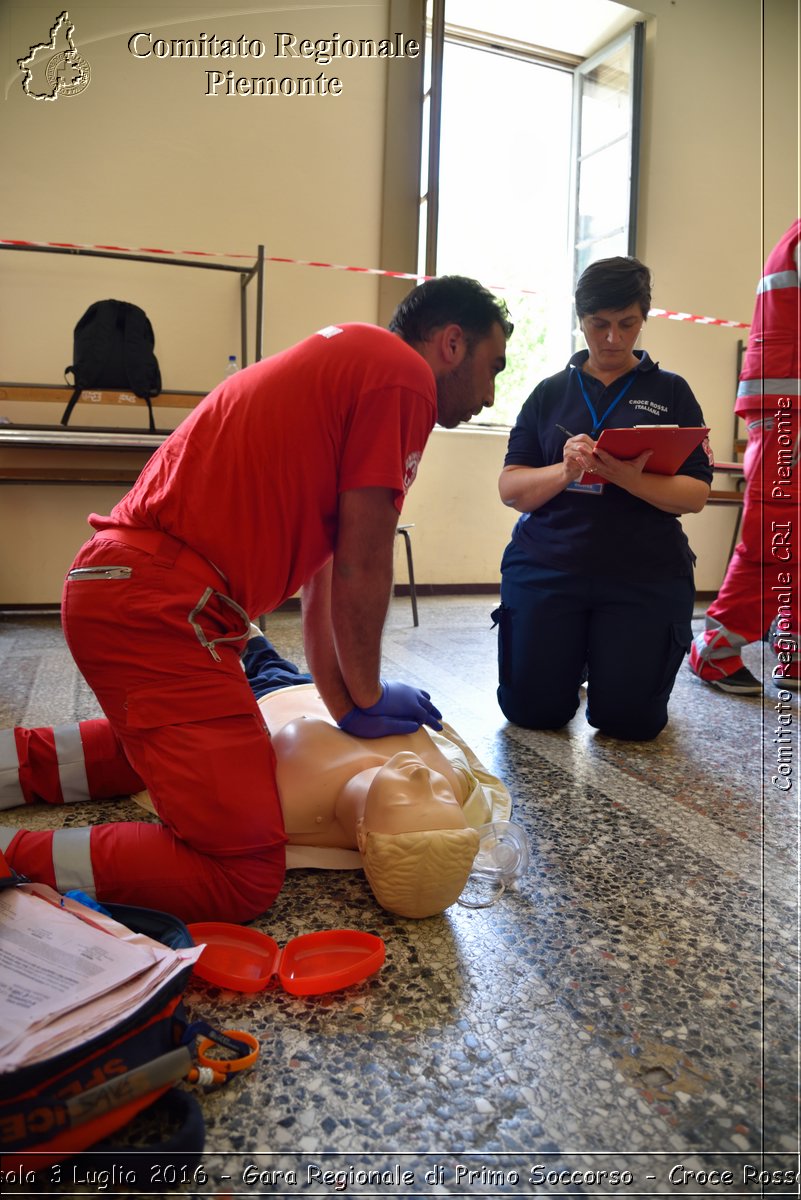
(760, 592)
(289, 476)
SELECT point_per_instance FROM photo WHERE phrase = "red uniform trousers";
(755, 591)
(191, 731)
(65, 764)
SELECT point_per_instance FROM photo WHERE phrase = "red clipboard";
(671, 446)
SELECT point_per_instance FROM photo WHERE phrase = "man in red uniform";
(290, 475)
(761, 587)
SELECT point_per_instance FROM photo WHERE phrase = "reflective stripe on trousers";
(11, 794)
(71, 763)
(7, 835)
(717, 641)
(68, 759)
(72, 859)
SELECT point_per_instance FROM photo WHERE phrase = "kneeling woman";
(597, 581)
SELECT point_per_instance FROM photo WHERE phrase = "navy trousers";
(556, 630)
(266, 670)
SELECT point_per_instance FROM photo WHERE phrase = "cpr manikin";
(406, 808)
(397, 800)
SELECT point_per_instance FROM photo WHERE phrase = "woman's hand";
(674, 494)
(623, 472)
(527, 488)
(577, 456)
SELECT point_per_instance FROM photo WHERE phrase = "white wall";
(715, 197)
(461, 527)
(142, 157)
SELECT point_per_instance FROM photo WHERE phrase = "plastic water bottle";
(231, 367)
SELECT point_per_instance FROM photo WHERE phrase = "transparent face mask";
(501, 860)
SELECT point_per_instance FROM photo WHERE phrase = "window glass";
(608, 247)
(504, 201)
(605, 100)
(603, 194)
(426, 134)
(535, 169)
(606, 104)
(421, 237)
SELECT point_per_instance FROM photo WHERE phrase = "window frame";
(437, 33)
(634, 36)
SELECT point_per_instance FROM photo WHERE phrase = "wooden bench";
(31, 443)
(61, 446)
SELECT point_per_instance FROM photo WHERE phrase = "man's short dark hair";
(449, 300)
(614, 283)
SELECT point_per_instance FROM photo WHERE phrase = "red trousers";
(191, 731)
(66, 765)
(756, 588)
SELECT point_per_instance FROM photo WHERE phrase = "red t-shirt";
(251, 479)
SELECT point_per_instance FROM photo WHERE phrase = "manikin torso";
(330, 782)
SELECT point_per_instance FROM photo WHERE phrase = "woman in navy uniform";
(597, 581)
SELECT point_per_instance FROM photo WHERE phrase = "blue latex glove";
(358, 723)
(399, 709)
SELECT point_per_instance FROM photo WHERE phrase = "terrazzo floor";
(622, 1023)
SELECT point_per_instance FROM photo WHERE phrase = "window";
(529, 156)
(605, 145)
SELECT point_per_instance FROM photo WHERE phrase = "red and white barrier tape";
(302, 262)
(122, 249)
(682, 316)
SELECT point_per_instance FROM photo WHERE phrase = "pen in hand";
(565, 431)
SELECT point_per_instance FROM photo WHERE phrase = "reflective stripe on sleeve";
(10, 790)
(71, 763)
(781, 279)
(72, 860)
(769, 387)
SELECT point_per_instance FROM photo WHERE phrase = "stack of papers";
(68, 973)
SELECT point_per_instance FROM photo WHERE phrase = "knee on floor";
(534, 712)
(629, 727)
(249, 885)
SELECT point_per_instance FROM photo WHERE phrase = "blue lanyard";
(597, 423)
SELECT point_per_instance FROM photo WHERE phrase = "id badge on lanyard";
(596, 488)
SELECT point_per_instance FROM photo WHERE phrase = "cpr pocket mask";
(502, 859)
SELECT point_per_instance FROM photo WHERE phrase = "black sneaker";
(741, 682)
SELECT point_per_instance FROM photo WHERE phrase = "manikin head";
(416, 846)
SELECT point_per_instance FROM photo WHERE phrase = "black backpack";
(113, 349)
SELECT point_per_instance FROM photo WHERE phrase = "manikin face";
(611, 335)
(406, 796)
(470, 386)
